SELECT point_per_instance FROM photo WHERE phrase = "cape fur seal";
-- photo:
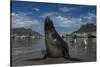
(56, 46)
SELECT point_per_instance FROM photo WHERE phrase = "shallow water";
(24, 49)
(82, 48)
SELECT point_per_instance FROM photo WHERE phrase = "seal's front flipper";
(66, 50)
(66, 54)
(76, 59)
(45, 56)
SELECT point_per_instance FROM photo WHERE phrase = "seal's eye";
(54, 35)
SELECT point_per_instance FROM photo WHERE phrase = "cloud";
(23, 20)
(36, 9)
(61, 21)
(89, 18)
(50, 14)
(65, 9)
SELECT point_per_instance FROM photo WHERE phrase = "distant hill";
(23, 31)
(89, 27)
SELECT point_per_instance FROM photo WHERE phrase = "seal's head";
(48, 24)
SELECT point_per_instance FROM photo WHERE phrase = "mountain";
(24, 31)
(89, 27)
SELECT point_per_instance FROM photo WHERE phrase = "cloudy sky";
(66, 17)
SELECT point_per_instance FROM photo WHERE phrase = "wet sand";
(33, 62)
(41, 61)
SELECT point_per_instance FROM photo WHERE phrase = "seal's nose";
(48, 23)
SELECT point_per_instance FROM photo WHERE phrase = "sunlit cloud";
(61, 21)
(50, 14)
(89, 18)
(65, 9)
(22, 20)
(36, 9)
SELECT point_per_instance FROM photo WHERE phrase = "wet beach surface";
(24, 51)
